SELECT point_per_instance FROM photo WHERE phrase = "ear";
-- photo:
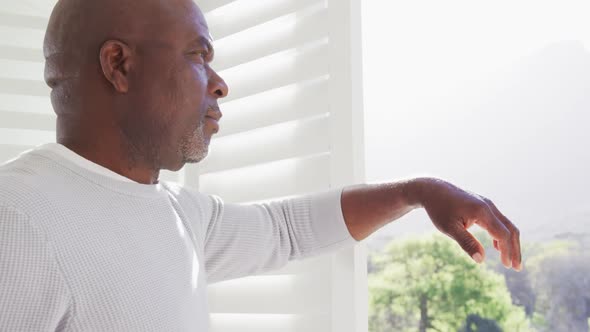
(116, 62)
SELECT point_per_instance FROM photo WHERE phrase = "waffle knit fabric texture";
(84, 249)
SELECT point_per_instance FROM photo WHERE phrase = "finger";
(468, 243)
(496, 245)
(505, 253)
(515, 242)
(515, 236)
(498, 231)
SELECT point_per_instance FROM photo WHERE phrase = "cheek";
(196, 80)
(188, 99)
(192, 92)
(179, 96)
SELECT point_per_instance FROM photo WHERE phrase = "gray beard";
(194, 148)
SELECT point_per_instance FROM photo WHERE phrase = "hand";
(453, 211)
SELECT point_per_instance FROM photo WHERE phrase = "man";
(91, 241)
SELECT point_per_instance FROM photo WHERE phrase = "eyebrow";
(201, 40)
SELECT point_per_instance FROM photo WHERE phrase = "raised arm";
(366, 208)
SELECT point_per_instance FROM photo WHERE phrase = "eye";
(202, 54)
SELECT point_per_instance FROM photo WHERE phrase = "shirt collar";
(80, 161)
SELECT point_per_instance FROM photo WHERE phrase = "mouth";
(213, 112)
(213, 116)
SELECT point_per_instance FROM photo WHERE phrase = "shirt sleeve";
(33, 293)
(242, 240)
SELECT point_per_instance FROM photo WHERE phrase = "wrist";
(420, 189)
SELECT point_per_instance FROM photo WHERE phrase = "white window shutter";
(26, 116)
(293, 124)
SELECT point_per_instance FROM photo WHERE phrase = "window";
(292, 125)
(493, 97)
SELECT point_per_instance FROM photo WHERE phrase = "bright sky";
(455, 39)
(490, 95)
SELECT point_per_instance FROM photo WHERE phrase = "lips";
(213, 116)
(214, 113)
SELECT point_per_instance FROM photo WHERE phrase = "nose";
(217, 86)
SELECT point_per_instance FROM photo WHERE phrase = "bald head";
(134, 72)
(78, 29)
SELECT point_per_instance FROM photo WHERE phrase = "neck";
(113, 156)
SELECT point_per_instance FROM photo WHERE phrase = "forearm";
(366, 208)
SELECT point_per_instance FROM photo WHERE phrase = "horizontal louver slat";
(281, 178)
(21, 70)
(269, 323)
(272, 37)
(277, 70)
(18, 37)
(21, 54)
(24, 87)
(25, 137)
(281, 294)
(209, 5)
(283, 141)
(241, 15)
(303, 266)
(20, 120)
(34, 8)
(169, 176)
(22, 21)
(27, 104)
(282, 104)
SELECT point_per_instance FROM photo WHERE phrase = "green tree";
(554, 287)
(429, 284)
(559, 273)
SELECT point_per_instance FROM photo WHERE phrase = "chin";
(195, 156)
(193, 160)
(195, 148)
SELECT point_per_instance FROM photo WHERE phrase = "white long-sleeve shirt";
(85, 249)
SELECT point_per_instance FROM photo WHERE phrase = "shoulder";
(18, 173)
(23, 189)
(188, 196)
(191, 199)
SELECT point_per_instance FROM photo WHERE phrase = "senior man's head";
(134, 74)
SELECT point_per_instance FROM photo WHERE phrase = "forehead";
(179, 22)
(193, 22)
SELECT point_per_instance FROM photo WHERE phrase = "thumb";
(469, 243)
